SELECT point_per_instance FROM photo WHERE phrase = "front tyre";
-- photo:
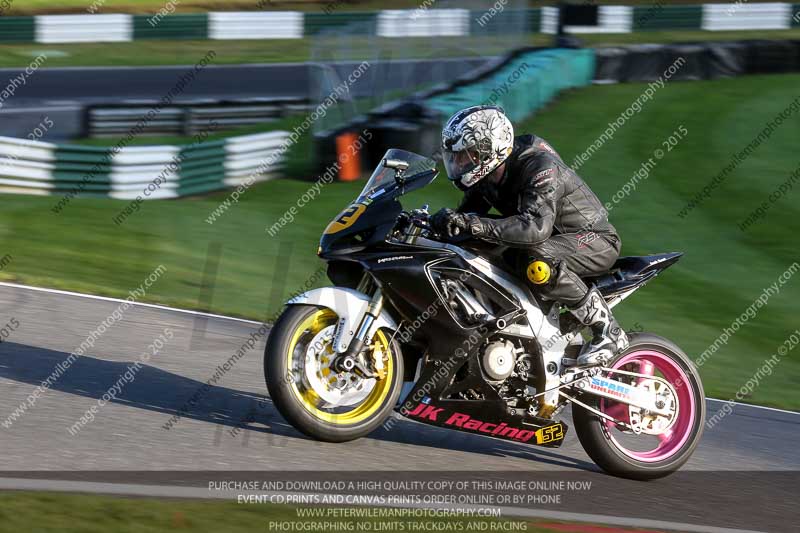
(664, 446)
(313, 398)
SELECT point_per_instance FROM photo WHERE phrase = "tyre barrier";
(153, 172)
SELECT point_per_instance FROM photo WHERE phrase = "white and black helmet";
(475, 141)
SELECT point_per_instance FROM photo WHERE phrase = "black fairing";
(452, 366)
(371, 228)
(368, 221)
(631, 272)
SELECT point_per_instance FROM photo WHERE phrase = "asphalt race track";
(743, 476)
(229, 82)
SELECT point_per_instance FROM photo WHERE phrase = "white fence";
(32, 167)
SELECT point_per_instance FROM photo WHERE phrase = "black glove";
(466, 223)
(441, 220)
(449, 223)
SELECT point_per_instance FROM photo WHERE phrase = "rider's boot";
(609, 339)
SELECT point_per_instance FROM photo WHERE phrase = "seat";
(631, 272)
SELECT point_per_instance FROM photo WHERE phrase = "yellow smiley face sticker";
(539, 272)
(345, 219)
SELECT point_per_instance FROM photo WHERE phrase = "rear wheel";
(664, 444)
(317, 401)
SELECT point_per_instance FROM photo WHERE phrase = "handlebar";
(421, 218)
(417, 221)
(421, 221)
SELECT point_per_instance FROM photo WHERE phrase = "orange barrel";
(348, 156)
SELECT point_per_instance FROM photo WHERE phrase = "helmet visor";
(458, 164)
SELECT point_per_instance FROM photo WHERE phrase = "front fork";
(347, 361)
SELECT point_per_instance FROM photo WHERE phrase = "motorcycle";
(482, 352)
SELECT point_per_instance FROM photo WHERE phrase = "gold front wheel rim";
(309, 399)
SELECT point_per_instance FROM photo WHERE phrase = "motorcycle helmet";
(475, 141)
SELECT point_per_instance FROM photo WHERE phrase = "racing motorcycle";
(479, 351)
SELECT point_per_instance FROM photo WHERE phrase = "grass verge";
(33, 7)
(40, 7)
(73, 513)
(188, 52)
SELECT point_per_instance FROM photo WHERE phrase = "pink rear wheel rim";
(671, 441)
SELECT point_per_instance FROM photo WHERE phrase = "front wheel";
(317, 401)
(663, 444)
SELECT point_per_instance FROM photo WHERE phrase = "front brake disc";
(336, 389)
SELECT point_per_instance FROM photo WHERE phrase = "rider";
(547, 212)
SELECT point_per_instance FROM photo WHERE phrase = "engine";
(506, 367)
(499, 359)
(502, 361)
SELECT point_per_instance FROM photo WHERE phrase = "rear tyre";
(608, 446)
(316, 401)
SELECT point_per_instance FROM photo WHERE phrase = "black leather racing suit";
(550, 214)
